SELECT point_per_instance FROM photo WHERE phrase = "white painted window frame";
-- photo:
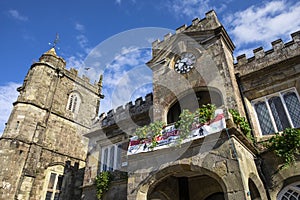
(117, 157)
(57, 170)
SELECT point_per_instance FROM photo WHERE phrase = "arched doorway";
(192, 101)
(254, 193)
(216, 196)
(187, 186)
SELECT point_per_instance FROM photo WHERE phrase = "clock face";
(185, 62)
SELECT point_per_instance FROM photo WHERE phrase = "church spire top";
(52, 50)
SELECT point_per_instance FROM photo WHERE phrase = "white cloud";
(79, 27)
(120, 1)
(81, 38)
(74, 62)
(125, 77)
(83, 42)
(194, 8)
(16, 15)
(134, 83)
(188, 8)
(266, 23)
(79, 64)
(127, 59)
(8, 94)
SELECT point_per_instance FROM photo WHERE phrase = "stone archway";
(186, 185)
(254, 193)
(193, 100)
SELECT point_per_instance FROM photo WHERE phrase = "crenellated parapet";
(209, 23)
(130, 110)
(280, 51)
(201, 33)
(82, 80)
(52, 60)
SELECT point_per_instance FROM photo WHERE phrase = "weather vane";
(55, 41)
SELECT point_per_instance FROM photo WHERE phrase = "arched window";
(193, 101)
(290, 192)
(53, 182)
(73, 102)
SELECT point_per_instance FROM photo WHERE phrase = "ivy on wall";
(102, 182)
(286, 145)
(241, 123)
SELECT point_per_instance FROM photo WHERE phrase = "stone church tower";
(42, 148)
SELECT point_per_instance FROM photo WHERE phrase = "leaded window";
(278, 111)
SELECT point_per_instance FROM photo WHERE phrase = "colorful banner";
(171, 136)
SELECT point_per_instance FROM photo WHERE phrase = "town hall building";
(55, 142)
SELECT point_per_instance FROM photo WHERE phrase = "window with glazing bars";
(73, 103)
(278, 111)
(54, 186)
(111, 157)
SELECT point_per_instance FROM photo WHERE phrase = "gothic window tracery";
(73, 102)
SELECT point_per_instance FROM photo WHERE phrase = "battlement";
(280, 51)
(210, 22)
(130, 110)
(53, 60)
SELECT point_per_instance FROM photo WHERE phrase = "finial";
(100, 80)
(55, 42)
(100, 86)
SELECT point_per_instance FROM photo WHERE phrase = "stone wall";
(225, 160)
(269, 72)
(43, 132)
(213, 70)
(113, 127)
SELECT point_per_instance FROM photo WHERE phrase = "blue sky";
(28, 26)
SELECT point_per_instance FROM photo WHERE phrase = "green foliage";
(151, 132)
(286, 145)
(205, 113)
(186, 119)
(241, 123)
(102, 181)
